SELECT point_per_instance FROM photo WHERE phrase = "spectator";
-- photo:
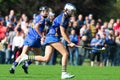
(10, 26)
(2, 30)
(86, 21)
(105, 55)
(17, 43)
(105, 27)
(96, 43)
(72, 19)
(6, 21)
(80, 21)
(83, 30)
(5, 44)
(101, 31)
(93, 28)
(88, 32)
(11, 35)
(24, 24)
(99, 21)
(83, 52)
(12, 16)
(90, 17)
(116, 26)
(75, 26)
(73, 50)
(117, 55)
(111, 48)
(110, 24)
(98, 26)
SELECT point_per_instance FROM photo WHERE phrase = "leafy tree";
(104, 9)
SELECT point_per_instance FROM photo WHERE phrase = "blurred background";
(104, 9)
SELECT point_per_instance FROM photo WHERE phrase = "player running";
(52, 40)
(32, 40)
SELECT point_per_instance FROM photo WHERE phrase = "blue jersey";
(32, 32)
(54, 33)
(33, 38)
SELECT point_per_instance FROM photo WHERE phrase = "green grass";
(54, 72)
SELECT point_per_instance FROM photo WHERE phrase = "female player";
(32, 40)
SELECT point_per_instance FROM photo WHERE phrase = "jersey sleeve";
(37, 19)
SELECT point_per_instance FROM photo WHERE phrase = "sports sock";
(31, 57)
(14, 65)
(27, 63)
(64, 68)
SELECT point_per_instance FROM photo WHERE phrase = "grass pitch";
(40, 72)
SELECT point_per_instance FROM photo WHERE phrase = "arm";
(38, 24)
(36, 27)
(65, 36)
(92, 43)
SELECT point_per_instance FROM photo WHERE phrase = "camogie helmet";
(43, 8)
(70, 8)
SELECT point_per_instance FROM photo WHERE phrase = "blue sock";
(14, 65)
(29, 62)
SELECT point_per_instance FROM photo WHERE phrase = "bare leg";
(48, 52)
(60, 48)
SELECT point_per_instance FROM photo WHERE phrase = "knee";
(46, 60)
(65, 54)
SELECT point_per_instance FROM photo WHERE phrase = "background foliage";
(104, 9)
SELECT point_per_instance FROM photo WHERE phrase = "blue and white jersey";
(60, 20)
(54, 33)
(32, 32)
(33, 38)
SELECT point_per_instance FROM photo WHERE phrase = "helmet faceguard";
(70, 9)
(44, 8)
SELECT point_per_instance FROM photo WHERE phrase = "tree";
(99, 8)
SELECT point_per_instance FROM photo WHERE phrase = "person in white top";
(17, 43)
(83, 30)
(24, 24)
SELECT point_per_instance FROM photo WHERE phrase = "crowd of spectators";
(86, 32)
